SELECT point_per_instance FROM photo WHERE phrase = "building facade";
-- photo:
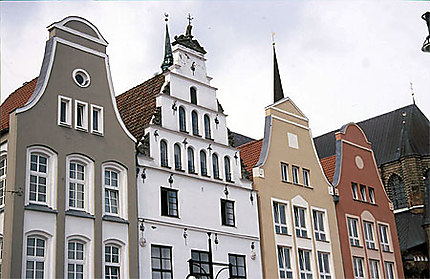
(298, 229)
(197, 213)
(367, 229)
(68, 167)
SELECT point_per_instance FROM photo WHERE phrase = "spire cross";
(190, 19)
(273, 38)
(412, 92)
(166, 17)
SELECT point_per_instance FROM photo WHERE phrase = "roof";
(15, 100)
(137, 105)
(250, 153)
(409, 229)
(239, 139)
(329, 165)
(390, 139)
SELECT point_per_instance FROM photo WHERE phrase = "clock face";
(359, 162)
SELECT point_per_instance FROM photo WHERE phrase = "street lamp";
(426, 44)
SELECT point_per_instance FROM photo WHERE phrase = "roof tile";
(250, 153)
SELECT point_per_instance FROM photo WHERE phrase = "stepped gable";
(137, 105)
(16, 100)
(387, 136)
(329, 165)
(250, 153)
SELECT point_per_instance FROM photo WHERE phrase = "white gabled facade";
(179, 203)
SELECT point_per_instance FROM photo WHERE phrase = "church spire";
(278, 93)
(168, 56)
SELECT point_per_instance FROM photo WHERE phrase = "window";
(81, 115)
(2, 179)
(200, 267)
(96, 119)
(280, 218)
(207, 123)
(371, 195)
(284, 263)
(305, 264)
(374, 269)
(163, 154)
(203, 163)
(383, 235)
(64, 111)
(324, 266)
(178, 160)
(76, 185)
(363, 192)
(215, 166)
(284, 172)
(398, 195)
(75, 260)
(300, 222)
(227, 212)
(354, 191)
(161, 262)
(35, 257)
(368, 235)
(81, 78)
(389, 270)
(319, 225)
(227, 169)
(111, 181)
(295, 174)
(182, 121)
(38, 177)
(353, 232)
(190, 152)
(238, 268)
(358, 268)
(193, 95)
(195, 122)
(306, 178)
(169, 202)
(112, 262)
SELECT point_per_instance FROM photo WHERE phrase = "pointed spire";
(278, 93)
(168, 56)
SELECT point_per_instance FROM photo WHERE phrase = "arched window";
(2, 179)
(227, 168)
(77, 184)
(215, 166)
(75, 259)
(203, 163)
(195, 122)
(182, 121)
(207, 126)
(398, 195)
(112, 261)
(191, 168)
(178, 160)
(115, 189)
(193, 95)
(163, 154)
(35, 257)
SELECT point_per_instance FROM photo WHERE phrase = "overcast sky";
(339, 61)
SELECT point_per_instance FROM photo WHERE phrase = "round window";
(81, 78)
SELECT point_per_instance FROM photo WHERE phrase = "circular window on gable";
(81, 78)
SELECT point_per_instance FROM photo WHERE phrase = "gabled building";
(197, 212)
(367, 230)
(401, 145)
(67, 170)
(298, 229)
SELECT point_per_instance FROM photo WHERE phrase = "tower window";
(193, 95)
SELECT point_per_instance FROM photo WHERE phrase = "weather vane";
(273, 38)
(166, 17)
(190, 19)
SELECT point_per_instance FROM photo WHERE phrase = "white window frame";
(390, 272)
(384, 237)
(122, 188)
(286, 266)
(358, 263)
(100, 121)
(369, 235)
(123, 257)
(277, 215)
(354, 236)
(306, 177)
(354, 188)
(88, 182)
(295, 172)
(374, 269)
(51, 175)
(76, 261)
(324, 267)
(68, 101)
(3, 171)
(84, 126)
(112, 263)
(306, 272)
(300, 231)
(363, 192)
(372, 195)
(318, 216)
(49, 253)
(284, 172)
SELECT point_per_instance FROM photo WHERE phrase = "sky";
(340, 61)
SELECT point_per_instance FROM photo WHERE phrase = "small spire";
(413, 94)
(278, 93)
(168, 56)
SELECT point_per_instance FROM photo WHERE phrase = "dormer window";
(193, 95)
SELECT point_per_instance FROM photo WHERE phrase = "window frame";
(201, 263)
(372, 199)
(306, 177)
(203, 163)
(363, 193)
(277, 217)
(354, 236)
(300, 227)
(191, 164)
(374, 269)
(195, 123)
(88, 182)
(284, 172)
(323, 266)
(165, 202)
(358, 274)
(235, 268)
(182, 115)
(390, 270)
(305, 264)
(110, 264)
(121, 188)
(295, 170)
(207, 124)
(177, 155)
(282, 259)
(68, 111)
(215, 166)
(84, 126)
(34, 258)
(100, 122)
(75, 261)
(384, 237)
(225, 221)
(193, 95)
(3, 176)
(227, 169)
(164, 156)
(318, 218)
(354, 188)
(369, 235)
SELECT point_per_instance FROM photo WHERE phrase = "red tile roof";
(328, 164)
(137, 105)
(16, 100)
(250, 153)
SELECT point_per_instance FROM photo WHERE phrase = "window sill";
(180, 170)
(211, 139)
(205, 175)
(115, 219)
(365, 202)
(303, 237)
(40, 208)
(79, 213)
(320, 240)
(65, 125)
(167, 167)
(100, 134)
(171, 216)
(218, 178)
(389, 251)
(283, 234)
(183, 131)
(197, 135)
(356, 246)
(81, 129)
(230, 181)
(372, 249)
(192, 172)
